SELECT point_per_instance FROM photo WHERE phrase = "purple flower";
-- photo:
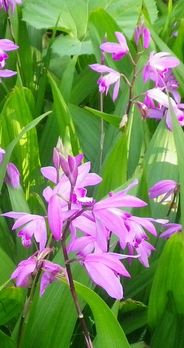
(50, 271)
(6, 4)
(29, 225)
(112, 77)
(163, 187)
(105, 269)
(12, 175)
(118, 50)
(63, 188)
(24, 271)
(2, 153)
(170, 230)
(142, 32)
(55, 216)
(27, 270)
(157, 64)
(5, 46)
(163, 104)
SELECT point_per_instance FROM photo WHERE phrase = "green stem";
(26, 311)
(75, 298)
(102, 131)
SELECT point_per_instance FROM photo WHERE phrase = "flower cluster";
(6, 46)
(158, 69)
(118, 50)
(88, 224)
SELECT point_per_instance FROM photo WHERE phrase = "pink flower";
(157, 64)
(27, 270)
(24, 271)
(105, 269)
(142, 32)
(50, 271)
(12, 175)
(5, 46)
(163, 187)
(29, 225)
(162, 99)
(118, 50)
(6, 4)
(55, 216)
(171, 228)
(112, 77)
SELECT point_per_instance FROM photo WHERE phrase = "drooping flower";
(163, 187)
(9, 4)
(157, 64)
(12, 175)
(24, 271)
(170, 229)
(141, 32)
(27, 269)
(112, 77)
(105, 269)
(50, 271)
(164, 104)
(118, 50)
(29, 225)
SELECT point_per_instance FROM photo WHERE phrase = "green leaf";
(7, 266)
(109, 332)
(169, 278)
(53, 317)
(11, 303)
(88, 132)
(69, 46)
(114, 168)
(6, 341)
(41, 14)
(179, 140)
(14, 142)
(112, 119)
(151, 9)
(16, 114)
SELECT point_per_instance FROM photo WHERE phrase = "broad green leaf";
(112, 119)
(114, 168)
(109, 332)
(151, 10)
(11, 303)
(41, 14)
(14, 142)
(169, 278)
(179, 141)
(16, 114)
(160, 163)
(63, 118)
(132, 315)
(6, 341)
(69, 46)
(7, 266)
(88, 132)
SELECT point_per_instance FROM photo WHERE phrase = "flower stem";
(25, 313)
(102, 132)
(75, 298)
